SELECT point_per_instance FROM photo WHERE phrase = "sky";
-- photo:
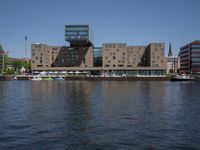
(135, 22)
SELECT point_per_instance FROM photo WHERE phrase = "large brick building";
(146, 60)
(111, 57)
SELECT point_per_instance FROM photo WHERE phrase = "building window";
(120, 65)
(113, 57)
(106, 65)
(113, 65)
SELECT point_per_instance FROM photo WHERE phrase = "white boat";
(182, 77)
(58, 78)
(36, 78)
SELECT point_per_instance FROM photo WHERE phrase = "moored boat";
(36, 78)
(182, 78)
(58, 78)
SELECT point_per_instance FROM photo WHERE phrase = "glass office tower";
(78, 35)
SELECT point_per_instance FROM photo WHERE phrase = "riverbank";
(92, 78)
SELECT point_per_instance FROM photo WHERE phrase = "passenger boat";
(182, 78)
(36, 78)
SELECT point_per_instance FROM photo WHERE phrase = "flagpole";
(26, 38)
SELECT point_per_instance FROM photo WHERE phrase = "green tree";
(10, 71)
(26, 65)
(17, 65)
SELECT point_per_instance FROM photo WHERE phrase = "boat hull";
(181, 79)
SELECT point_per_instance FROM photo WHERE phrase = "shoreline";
(92, 78)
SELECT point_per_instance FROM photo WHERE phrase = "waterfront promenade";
(91, 78)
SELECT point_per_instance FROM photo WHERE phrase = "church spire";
(170, 50)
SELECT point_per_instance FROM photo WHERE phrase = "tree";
(17, 65)
(9, 71)
(26, 65)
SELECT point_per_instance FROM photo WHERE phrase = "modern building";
(50, 57)
(173, 62)
(112, 58)
(1, 57)
(98, 52)
(190, 57)
(78, 35)
(78, 54)
(143, 60)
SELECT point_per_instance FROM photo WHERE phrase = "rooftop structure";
(78, 35)
(170, 50)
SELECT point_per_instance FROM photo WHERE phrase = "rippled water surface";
(99, 115)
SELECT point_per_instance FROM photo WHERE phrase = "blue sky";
(135, 22)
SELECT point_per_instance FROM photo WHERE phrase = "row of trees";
(14, 67)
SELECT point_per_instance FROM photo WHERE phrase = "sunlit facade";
(110, 58)
(190, 58)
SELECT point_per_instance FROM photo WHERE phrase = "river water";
(77, 115)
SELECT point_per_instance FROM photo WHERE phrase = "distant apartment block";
(173, 64)
(190, 58)
(111, 57)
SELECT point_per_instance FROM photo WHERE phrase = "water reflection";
(99, 115)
